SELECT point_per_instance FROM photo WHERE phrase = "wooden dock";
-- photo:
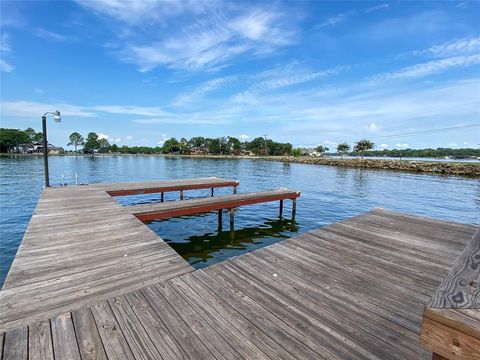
(156, 211)
(351, 290)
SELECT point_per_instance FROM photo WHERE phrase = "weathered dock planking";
(451, 320)
(352, 290)
(155, 211)
(81, 245)
(163, 186)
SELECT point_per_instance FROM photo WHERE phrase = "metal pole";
(281, 208)
(181, 194)
(220, 219)
(294, 206)
(45, 150)
(234, 189)
(212, 192)
(161, 197)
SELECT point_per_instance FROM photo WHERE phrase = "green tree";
(30, 133)
(92, 143)
(114, 148)
(11, 138)
(234, 145)
(343, 149)
(185, 147)
(321, 149)
(198, 142)
(76, 140)
(171, 146)
(297, 152)
(214, 146)
(363, 145)
(103, 146)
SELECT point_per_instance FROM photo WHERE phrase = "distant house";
(309, 152)
(36, 147)
(199, 151)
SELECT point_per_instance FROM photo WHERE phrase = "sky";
(308, 73)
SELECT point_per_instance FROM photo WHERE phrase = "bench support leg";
(161, 198)
(212, 192)
(232, 218)
(181, 194)
(220, 219)
(294, 207)
(234, 190)
(281, 208)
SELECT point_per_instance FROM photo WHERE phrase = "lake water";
(329, 194)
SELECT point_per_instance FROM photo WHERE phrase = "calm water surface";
(329, 194)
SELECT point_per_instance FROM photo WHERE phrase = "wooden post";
(294, 207)
(232, 218)
(220, 219)
(181, 194)
(281, 208)
(212, 192)
(161, 197)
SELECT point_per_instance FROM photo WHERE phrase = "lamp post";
(57, 118)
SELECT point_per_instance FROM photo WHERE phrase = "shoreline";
(428, 167)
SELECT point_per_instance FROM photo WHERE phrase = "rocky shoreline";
(433, 167)
(436, 167)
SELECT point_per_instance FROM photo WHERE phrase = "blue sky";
(304, 72)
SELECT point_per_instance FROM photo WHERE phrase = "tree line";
(11, 138)
(227, 145)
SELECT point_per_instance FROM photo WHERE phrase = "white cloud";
(49, 35)
(372, 127)
(131, 110)
(5, 67)
(35, 109)
(128, 137)
(5, 48)
(383, 146)
(143, 140)
(202, 89)
(159, 33)
(244, 137)
(134, 11)
(377, 7)
(117, 140)
(453, 145)
(463, 46)
(5, 43)
(429, 68)
(404, 146)
(334, 20)
(281, 77)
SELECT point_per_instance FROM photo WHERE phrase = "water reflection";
(201, 250)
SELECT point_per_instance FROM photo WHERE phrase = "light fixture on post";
(57, 118)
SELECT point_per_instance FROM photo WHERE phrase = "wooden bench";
(451, 320)
(163, 186)
(156, 211)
